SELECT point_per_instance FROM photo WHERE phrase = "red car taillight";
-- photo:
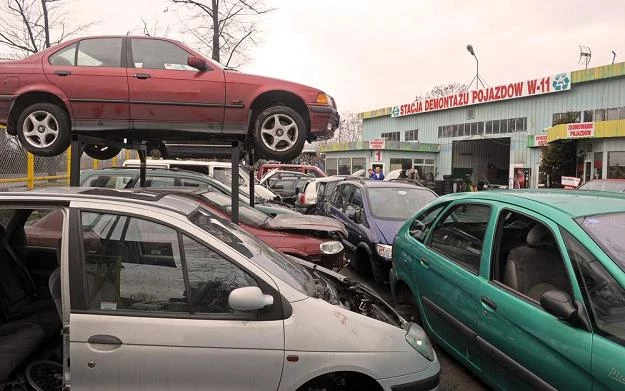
(302, 198)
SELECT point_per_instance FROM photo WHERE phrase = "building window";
(588, 116)
(391, 136)
(480, 128)
(616, 165)
(612, 114)
(621, 113)
(470, 113)
(331, 166)
(503, 126)
(488, 127)
(511, 123)
(521, 124)
(345, 166)
(358, 163)
(411, 135)
(496, 126)
(425, 168)
(600, 115)
(397, 164)
(598, 174)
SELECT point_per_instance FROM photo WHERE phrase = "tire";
(379, 276)
(44, 129)
(101, 152)
(280, 133)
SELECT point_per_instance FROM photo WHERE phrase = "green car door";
(522, 345)
(446, 275)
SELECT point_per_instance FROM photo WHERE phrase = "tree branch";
(237, 45)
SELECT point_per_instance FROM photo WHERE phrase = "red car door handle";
(142, 75)
(62, 73)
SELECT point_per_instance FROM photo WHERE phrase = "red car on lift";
(154, 89)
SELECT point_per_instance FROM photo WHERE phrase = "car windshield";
(612, 186)
(247, 214)
(608, 231)
(272, 261)
(397, 203)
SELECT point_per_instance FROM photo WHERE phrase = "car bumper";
(323, 121)
(302, 207)
(6, 101)
(413, 382)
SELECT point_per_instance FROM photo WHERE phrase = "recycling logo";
(561, 82)
(395, 111)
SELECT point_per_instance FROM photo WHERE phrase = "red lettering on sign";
(518, 89)
(531, 86)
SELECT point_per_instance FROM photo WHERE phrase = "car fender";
(45, 88)
(320, 372)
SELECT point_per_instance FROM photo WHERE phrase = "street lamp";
(477, 77)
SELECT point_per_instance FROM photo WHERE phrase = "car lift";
(79, 142)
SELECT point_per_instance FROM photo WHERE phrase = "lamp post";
(477, 77)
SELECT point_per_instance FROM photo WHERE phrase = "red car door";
(167, 94)
(92, 74)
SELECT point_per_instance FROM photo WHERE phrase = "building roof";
(579, 76)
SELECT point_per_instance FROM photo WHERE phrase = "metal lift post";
(235, 181)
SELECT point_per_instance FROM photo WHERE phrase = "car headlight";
(323, 99)
(331, 248)
(418, 339)
(384, 250)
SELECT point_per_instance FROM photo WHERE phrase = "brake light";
(302, 198)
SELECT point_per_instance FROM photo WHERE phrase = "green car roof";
(573, 203)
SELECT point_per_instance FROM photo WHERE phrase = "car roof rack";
(79, 142)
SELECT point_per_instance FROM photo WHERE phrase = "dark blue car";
(373, 212)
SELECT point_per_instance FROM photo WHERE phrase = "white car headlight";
(384, 250)
(418, 339)
(330, 248)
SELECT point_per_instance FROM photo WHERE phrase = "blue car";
(373, 212)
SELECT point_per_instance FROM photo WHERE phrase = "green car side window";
(459, 235)
(604, 296)
(423, 223)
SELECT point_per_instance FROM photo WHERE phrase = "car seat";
(536, 267)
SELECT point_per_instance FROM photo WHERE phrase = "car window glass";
(423, 223)
(108, 181)
(194, 183)
(157, 54)
(460, 234)
(64, 57)
(191, 167)
(132, 264)
(223, 174)
(342, 197)
(527, 258)
(603, 295)
(211, 278)
(159, 181)
(100, 52)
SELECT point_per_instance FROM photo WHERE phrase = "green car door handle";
(488, 303)
(424, 262)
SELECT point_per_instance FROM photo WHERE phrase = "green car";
(126, 178)
(525, 288)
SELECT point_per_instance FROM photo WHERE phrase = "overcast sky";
(372, 54)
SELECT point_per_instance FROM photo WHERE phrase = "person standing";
(378, 175)
(370, 173)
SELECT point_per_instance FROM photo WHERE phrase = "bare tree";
(441, 90)
(28, 26)
(154, 29)
(226, 27)
(349, 130)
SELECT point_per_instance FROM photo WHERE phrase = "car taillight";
(302, 198)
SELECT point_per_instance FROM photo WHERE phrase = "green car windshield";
(608, 231)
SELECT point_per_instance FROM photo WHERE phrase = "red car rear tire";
(44, 129)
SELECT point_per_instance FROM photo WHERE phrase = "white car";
(222, 171)
(155, 292)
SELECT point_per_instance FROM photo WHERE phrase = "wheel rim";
(279, 132)
(40, 129)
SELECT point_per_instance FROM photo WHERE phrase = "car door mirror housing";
(559, 304)
(198, 63)
(249, 298)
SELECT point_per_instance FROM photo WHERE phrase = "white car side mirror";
(250, 298)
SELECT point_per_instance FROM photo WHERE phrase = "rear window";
(397, 203)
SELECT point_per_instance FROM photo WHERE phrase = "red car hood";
(305, 223)
(248, 78)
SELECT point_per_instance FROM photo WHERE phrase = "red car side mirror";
(198, 63)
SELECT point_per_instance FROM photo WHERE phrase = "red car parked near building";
(153, 89)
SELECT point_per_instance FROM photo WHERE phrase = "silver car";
(154, 292)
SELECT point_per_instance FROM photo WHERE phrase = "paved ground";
(454, 377)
